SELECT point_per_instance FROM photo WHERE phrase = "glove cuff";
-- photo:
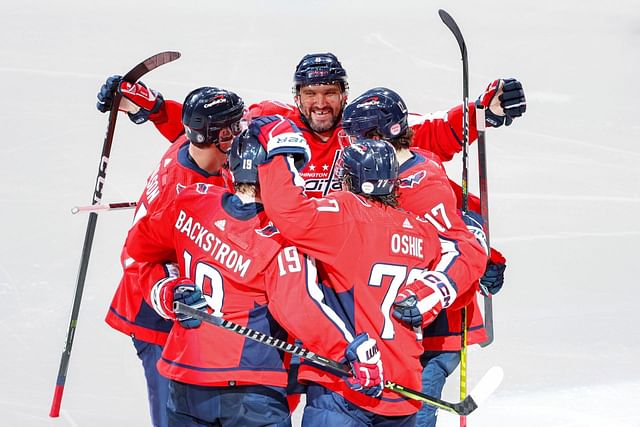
(143, 115)
(443, 287)
(162, 298)
(289, 143)
(491, 119)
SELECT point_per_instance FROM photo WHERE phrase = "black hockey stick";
(453, 27)
(132, 76)
(485, 387)
(482, 160)
(484, 211)
(104, 207)
(451, 24)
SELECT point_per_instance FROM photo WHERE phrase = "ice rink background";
(563, 180)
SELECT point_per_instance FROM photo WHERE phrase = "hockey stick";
(453, 27)
(482, 161)
(487, 385)
(484, 211)
(132, 76)
(105, 207)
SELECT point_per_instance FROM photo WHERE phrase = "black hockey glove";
(512, 101)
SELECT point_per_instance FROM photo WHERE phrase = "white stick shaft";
(105, 207)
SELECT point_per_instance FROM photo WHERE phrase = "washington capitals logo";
(202, 188)
(413, 180)
(269, 231)
(371, 101)
(215, 101)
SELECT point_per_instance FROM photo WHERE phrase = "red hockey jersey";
(129, 313)
(364, 253)
(424, 190)
(237, 258)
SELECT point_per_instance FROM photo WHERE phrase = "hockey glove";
(420, 302)
(475, 224)
(509, 103)
(364, 357)
(138, 101)
(105, 95)
(493, 279)
(170, 290)
(280, 136)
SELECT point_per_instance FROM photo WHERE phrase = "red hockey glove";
(139, 102)
(363, 355)
(420, 302)
(509, 103)
(280, 136)
(180, 289)
(149, 101)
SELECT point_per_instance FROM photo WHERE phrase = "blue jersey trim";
(232, 205)
(415, 159)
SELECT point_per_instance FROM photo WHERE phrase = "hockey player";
(233, 262)
(365, 250)
(380, 113)
(195, 157)
(320, 91)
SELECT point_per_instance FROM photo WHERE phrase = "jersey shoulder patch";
(413, 179)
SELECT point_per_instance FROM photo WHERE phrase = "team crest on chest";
(202, 188)
(269, 231)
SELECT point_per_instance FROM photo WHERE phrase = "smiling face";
(321, 105)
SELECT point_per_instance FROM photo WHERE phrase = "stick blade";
(488, 384)
(149, 64)
(453, 27)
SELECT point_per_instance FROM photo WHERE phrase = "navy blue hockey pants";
(326, 408)
(241, 406)
(157, 385)
(437, 367)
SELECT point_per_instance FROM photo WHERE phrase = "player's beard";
(322, 119)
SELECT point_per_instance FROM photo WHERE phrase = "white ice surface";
(563, 180)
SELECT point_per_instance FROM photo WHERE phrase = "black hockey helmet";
(371, 167)
(319, 69)
(378, 109)
(245, 155)
(208, 110)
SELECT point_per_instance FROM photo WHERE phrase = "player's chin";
(322, 123)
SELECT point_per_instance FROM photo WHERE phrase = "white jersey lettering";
(208, 242)
(407, 245)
